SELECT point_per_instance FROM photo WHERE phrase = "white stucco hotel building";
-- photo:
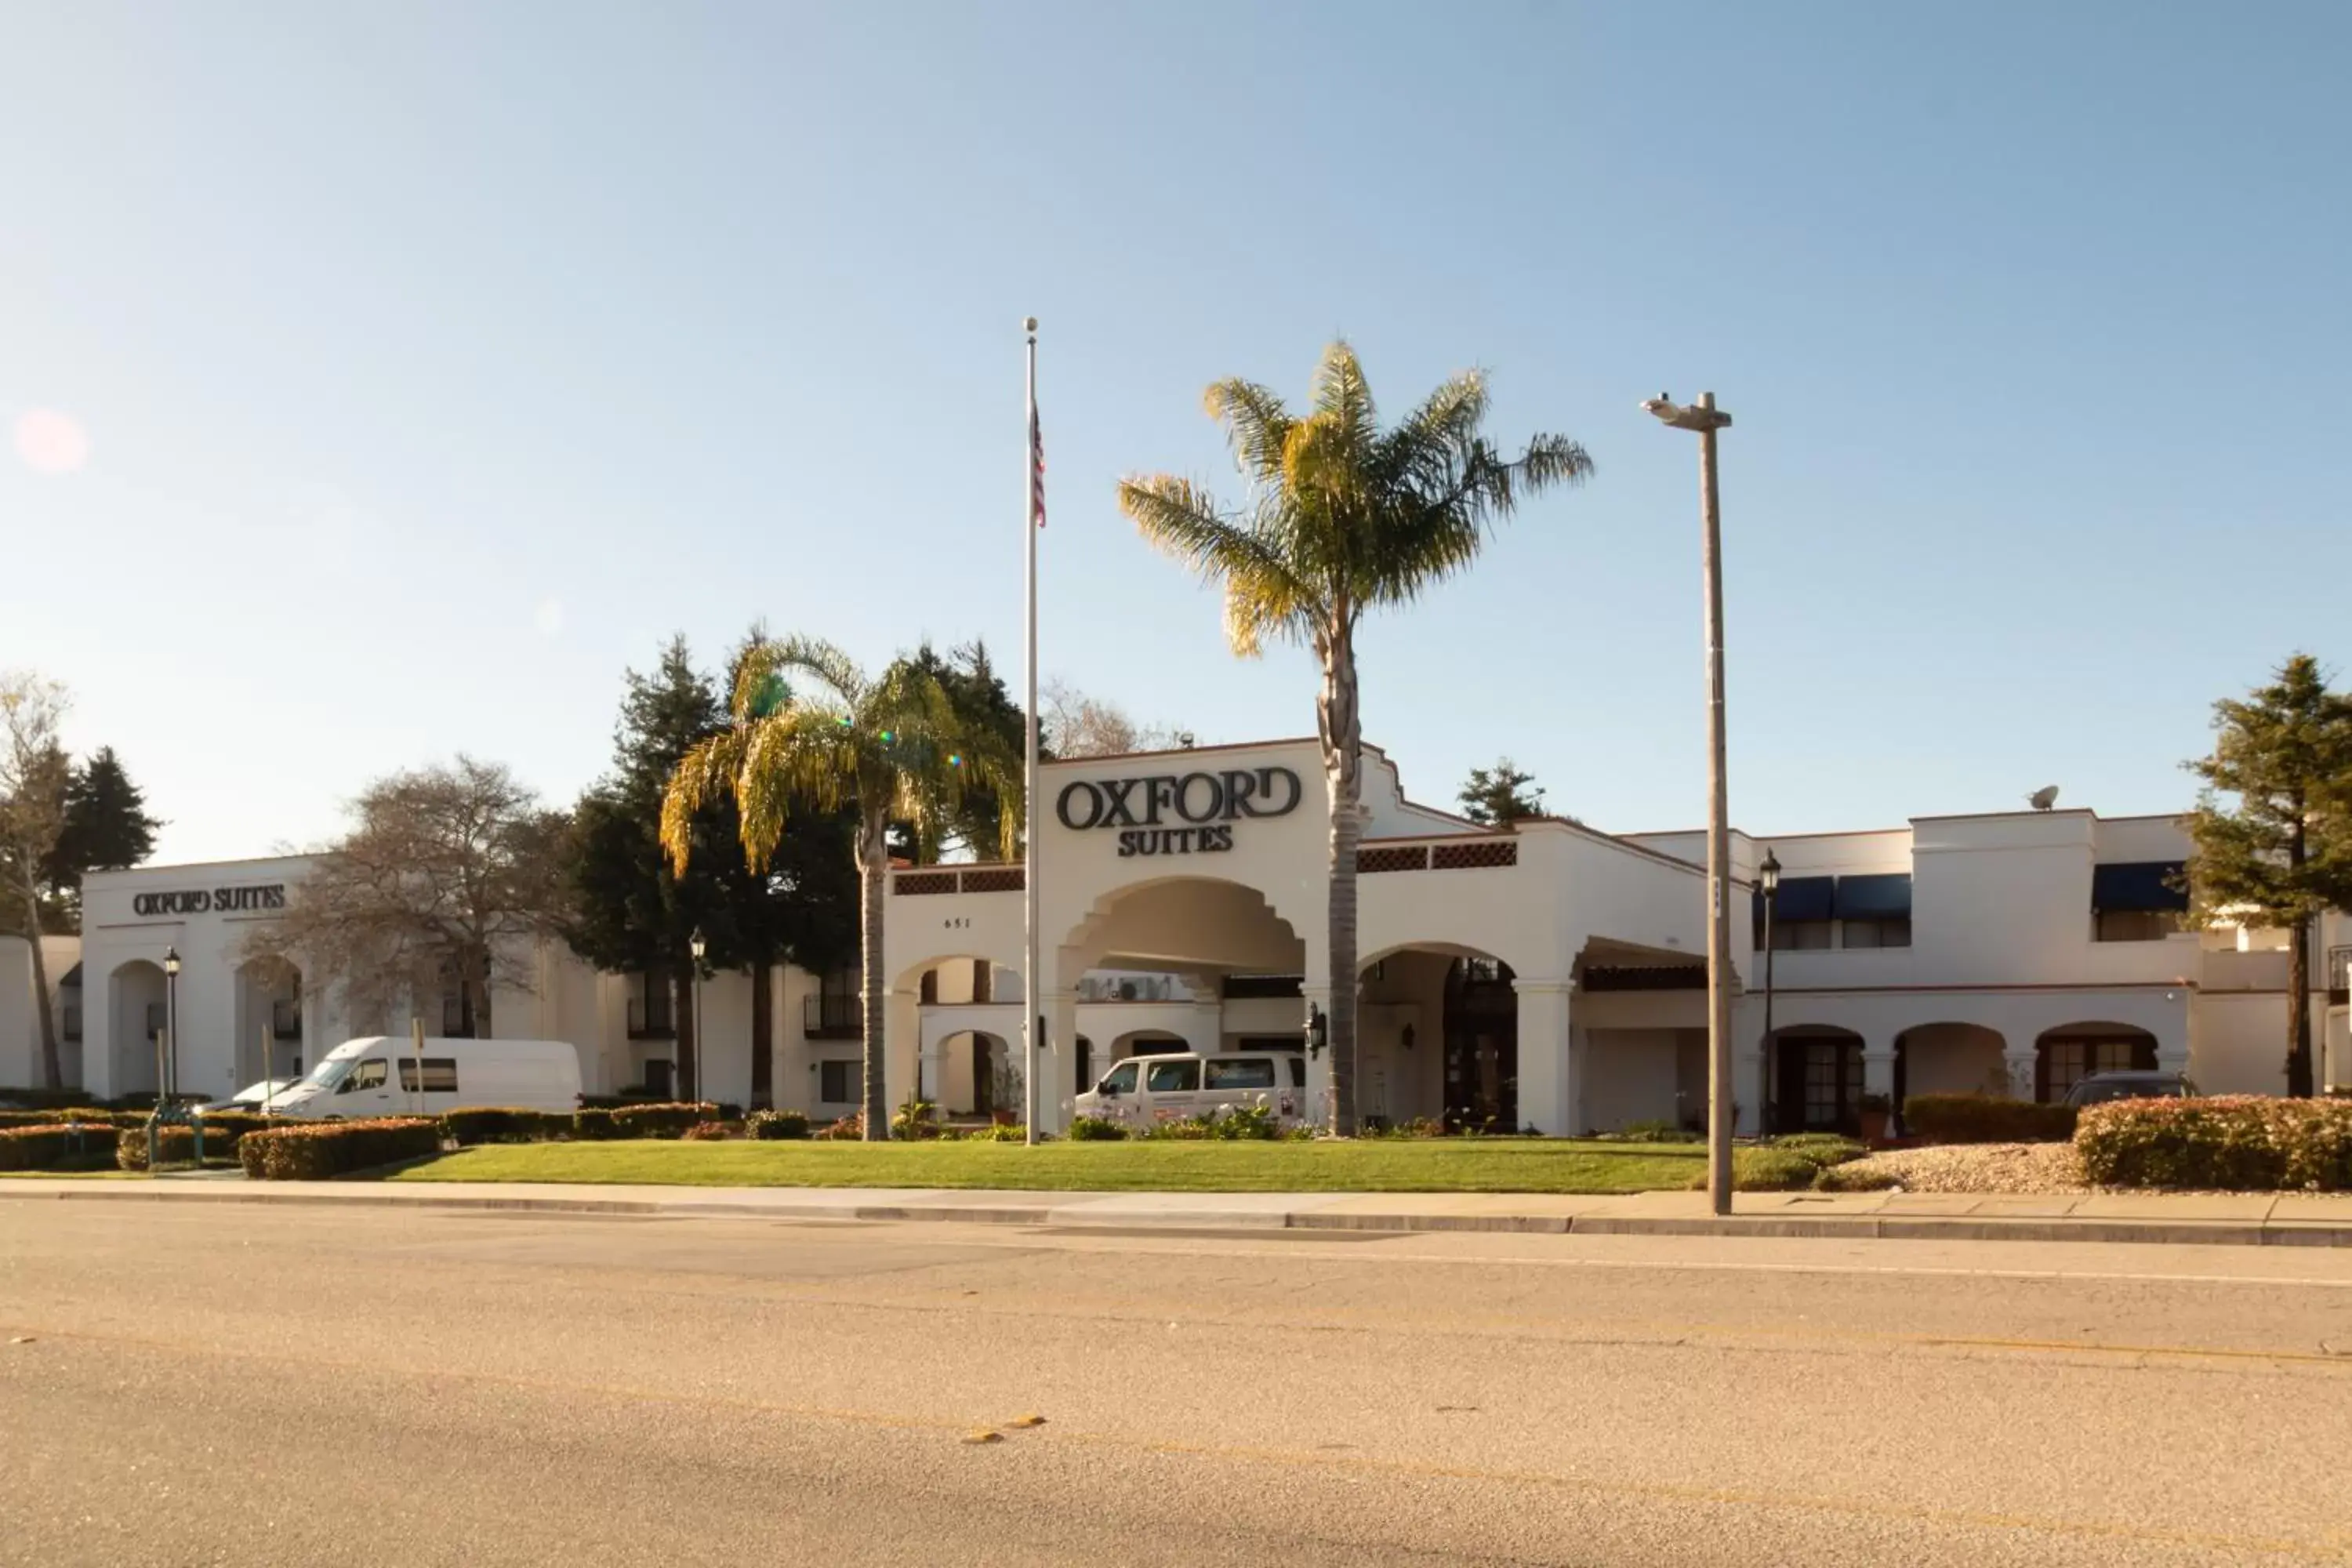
(1552, 976)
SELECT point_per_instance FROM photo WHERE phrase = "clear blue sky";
(437, 360)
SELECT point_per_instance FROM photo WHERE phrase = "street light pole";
(697, 946)
(1768, 880)
(170, 1085)
(1707, 420)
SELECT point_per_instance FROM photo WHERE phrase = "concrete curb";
(1061, 1215)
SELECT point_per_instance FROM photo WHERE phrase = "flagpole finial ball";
(1028, 323)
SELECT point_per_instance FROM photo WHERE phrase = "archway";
(268, 1021)
(135, 1012)
(1437, 1038)
(1816, 1080)
(1950, 1059)
(2071, 1052)
(980, 1075)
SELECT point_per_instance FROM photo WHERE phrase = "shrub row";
(651, 1120)
(471, 1125)
(2239, 1143)
(1986, 1119)
(53, 1143)
(313, 1150)
(772, 1126)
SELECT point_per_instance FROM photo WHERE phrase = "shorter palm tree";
(891, 746)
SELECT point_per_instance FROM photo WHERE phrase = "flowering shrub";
(176, 1144)
(915, 1119)
(709, 1132)
(503, 1124)
(850, 1127)
(1096, 1130)
(2245, 1142)
(1002, 1133)
(1986, 1119)
(314, 1150)
(773, 1125)
(660, 1118)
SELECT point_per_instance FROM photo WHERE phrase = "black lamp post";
(170, 1085)
(1318, 1030)
(1768, 880)
(697, 946)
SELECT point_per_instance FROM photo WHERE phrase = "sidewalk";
(2256, 1219)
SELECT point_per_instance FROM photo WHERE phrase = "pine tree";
(2283, 855)
(107, 828)
(1500, 796)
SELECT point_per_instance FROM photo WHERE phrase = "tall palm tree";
(1342, 516)
(892, 746)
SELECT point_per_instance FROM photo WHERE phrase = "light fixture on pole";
(697, 946)
(1704, 418)
(1767, 882)
(1318, 1030)
(171, 1085)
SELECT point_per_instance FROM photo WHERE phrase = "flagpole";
(1029, 997)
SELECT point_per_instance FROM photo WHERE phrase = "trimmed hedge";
(777, 1125)
(311, 1150)
(474, 1124)
(661, 1120)
(2237, 1142)
(1986, 1119)
(53, 1143)
(177, 1144)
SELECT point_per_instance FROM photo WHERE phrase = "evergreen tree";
(2283, 854)
(1500, 796)
(107, 828)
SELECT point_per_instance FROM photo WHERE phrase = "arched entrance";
(1950, 1059)
(1437, 1032)
(2071, 1052)
(1817, 1080)
(268, 1021)
(134, 1011)
(1481, 1047)
(980, 1075)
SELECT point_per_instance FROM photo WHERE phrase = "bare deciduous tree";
(33, 775)
(444, 869)
(1077, 725)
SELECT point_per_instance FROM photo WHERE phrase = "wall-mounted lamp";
(1407, 1037)
(1318, 1030)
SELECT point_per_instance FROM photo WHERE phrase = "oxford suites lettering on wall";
(1207, 803)
(210, 901)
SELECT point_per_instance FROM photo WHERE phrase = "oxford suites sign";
(1178, 814)
(210, 901)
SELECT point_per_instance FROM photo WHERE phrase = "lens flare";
(51, 442)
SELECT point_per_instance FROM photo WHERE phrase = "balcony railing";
(1132, 988)
(831, 1016)
(650, 1018)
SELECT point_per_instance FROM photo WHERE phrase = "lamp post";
(170, 1085)
(697, 946)
(1705, 419)
(1768, 880)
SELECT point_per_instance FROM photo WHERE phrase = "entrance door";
(1820, 1085)
(1481, 1047)
(983, 1077)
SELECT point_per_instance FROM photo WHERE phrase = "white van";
(385, 1076)
(1141, 1091)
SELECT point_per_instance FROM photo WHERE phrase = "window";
(1173, 1077)
(1245, 1073)
(285, 1018)
(2136, 925)
(2066, 1062)
(440, 1075)
(1801, 936)
(836, 1083)
(1122, 1079)
(1893, 932)
(368, 1073)
(1297, 1072)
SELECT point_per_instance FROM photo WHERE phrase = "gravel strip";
(1980, 1168)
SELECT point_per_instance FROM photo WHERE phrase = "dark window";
(1240, 988)
(650, 1017)
(154, 1019)
(440, 1075)
(1122, 1077)
(1801, 936)
(2136, 925)
(1242, 1072)
(368, 1073)
(836, 1083)
(1173, 1077)
(1893, 932)
(1297, 1072)
(285, 1018)
(657, 1077)
(2061, 1062)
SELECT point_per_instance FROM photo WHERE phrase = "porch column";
(2019, 1060)
(1057, 1059)
(1543, 1047)
(1318, 1063)
(902, 1023)
(1878, 1068)
(1578, 1042)
(932, 1081)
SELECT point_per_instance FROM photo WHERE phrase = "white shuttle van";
(1144, 1090)
(384, 1076)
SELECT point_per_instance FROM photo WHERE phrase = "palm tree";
(1342, 516)
(892, 746)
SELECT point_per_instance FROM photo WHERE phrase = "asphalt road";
(220, 1383)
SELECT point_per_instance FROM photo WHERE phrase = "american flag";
(1036, 467)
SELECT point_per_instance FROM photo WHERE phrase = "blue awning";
(1805, 898)
(1882, 896)
(2138, 885)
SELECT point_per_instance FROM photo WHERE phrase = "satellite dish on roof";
(2043, 798)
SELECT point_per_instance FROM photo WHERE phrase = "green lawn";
(1402, 1166)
